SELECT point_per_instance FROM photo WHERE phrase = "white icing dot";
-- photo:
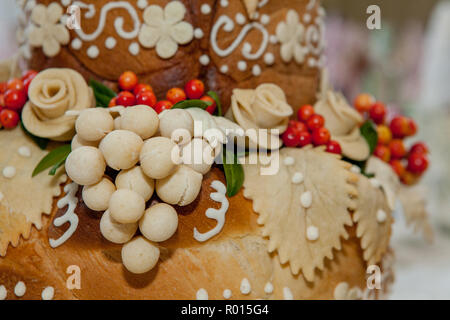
(24, 151)
(48, 293)
(9, 172)
(306, 199)
(20, 289)
(381, 216)
(268, 288)
(245, 286)
(256, 70)
(312, 62)
(1, 196)
(273, 39)
(256, 15)
(134, 48)
(289, 161)
(227, 293)
(3, 292)
(287, 294)
(202, 294)
(265, 19)
(198, 33)
(321, 11)
(375, 183)
(355, 169)
(307, 18)
(76, 44)
(269, 58)
(93, 52)
(205, 8)
(224, 3)
(297, 178)
(242, 65)
(224, 69)
(204, 60)
(142, 4)
(240, 18)
(110, 43)
(312, 233)
(65, 3)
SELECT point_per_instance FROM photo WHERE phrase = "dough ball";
(198, 155)
(78, 142)
(121, 149)
(135, 179)
(181, 187)
(85, 166)
(96, 196)
(116, 232)
(94, 123)
(159, 157)
(139, 255)
(159, 222)
(126, 206)
(178, 121)
(142, 120)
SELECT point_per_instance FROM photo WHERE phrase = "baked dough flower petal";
(54, 13)
(299, 54)
(287, 51)
(174, 12)
(39, 15)
(60, 33)
(166, 47)
(182, 32)
(36, 36)
(154, 16)
(354, 145)
(50, 47)
(149, 36)
(282, 32)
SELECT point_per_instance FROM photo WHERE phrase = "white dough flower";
(165, 29)
(291, 34)
(46, 30)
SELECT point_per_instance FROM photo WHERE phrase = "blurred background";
(406, 64)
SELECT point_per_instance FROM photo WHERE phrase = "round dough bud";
(126, 206)
(181, 187)
(198, 155)
(139, 255)
(159, 222)
(135, 179)
(121, 149)
(174, 121)
(117, 123)
(159, 157)
(142, 120)
(78, 142)
(96, 197)
(85, 166)
(93, 124)
(116, 232)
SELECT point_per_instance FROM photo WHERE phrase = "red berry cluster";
(410, 164)
(13, 96)
(309, 129)
(135, 93)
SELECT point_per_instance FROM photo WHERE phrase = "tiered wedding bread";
(308, 232)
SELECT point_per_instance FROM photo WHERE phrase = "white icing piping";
(311, 5)
(71, 200)
(218, 215)
(262, 3)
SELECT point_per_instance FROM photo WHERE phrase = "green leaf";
(54, 158)
(41, 142)
(369, 132)
(216, 98)
(52, 171)
(186, 104)
(102, 93)
(234, 173)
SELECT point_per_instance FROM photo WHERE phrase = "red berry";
(162, 105)
(363, 102)
(382, 152)
(194, 89)
(378, 112)
(321, 136)
(142, 87)
(298, 126)
(212, 108)
(412, 128)
(417, 163)
(334, 147)
(305, 112)
(29, 74)
(291, 138)
(128, 81)
(305, 138)
(398, 167)
(399, 127)
(9, 118)
(147, 98)
(316, 121)
(15, 99)
(398, 150)
(176, 95)
(2, 100)
(3, 87)
(419, 147)
(126, 99)
(409, 178)
(112, 102)
(14, 84)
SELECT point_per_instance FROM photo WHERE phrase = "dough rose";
(51, 94)
(265, 107)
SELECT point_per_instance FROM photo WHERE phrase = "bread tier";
(228, 44)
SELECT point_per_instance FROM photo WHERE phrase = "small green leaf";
(234, 173)
(102, 93)
(41, 142)
(216, 98)
(369, 132)
(54, 158)
(52, 171)
(186, 104)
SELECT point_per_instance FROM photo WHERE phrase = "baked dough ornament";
(304, 208)
(251, 6)
(373, 221)
(387, 178)
(23, 199)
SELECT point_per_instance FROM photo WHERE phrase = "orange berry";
(363, 102)
(142, 87)
(412, 128)
(397, 148)
(112, 102)
(409, 178)
(15, 84)
(176, 95)
(383, 153)
(399, 127)
(398, 167)
(128, 81)
(384, 134)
